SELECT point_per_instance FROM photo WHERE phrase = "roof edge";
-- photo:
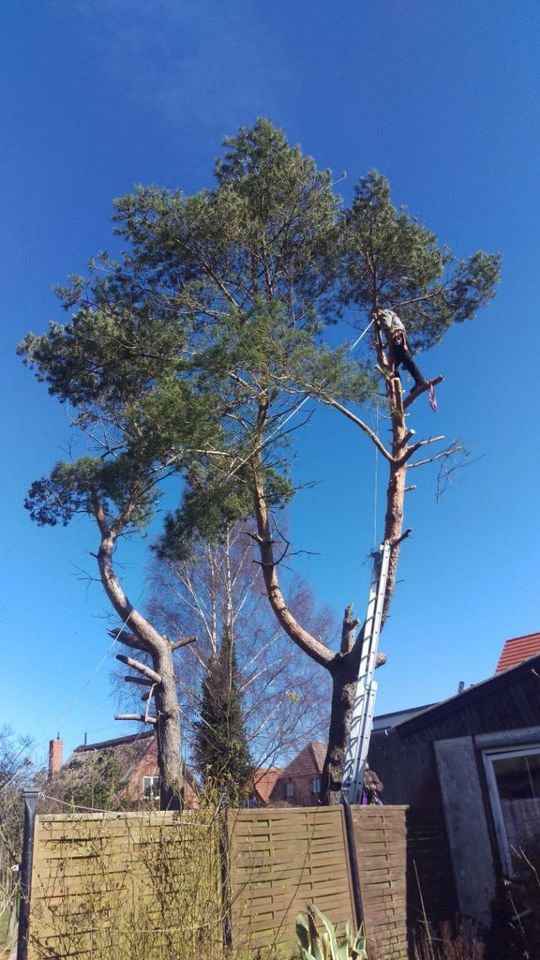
(116, 742)
(470, 695)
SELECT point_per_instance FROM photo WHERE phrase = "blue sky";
(442, 98)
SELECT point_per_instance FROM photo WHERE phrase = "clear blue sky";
(441, 97)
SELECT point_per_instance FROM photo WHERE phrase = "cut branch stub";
(142, 681)
(140, 717)
(348, 628)
(183, 642)
(129, 639)
(421, 389)
(141, 667)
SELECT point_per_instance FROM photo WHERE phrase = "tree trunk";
(395, 491)
(343, 667)
(147, 638)
(168, 733)
(344, 670)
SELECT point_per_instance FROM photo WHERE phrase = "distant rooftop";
(517, 650)
(385, 720)
(116, 742)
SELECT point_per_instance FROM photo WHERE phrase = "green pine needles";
(221, 744)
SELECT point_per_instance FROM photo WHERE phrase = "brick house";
(265, 780)
(136, 758)
(296, 785)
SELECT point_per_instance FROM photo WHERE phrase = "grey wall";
(466, 827)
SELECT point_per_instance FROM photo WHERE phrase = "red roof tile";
(517, 650)
(308, 762)
(265, 781)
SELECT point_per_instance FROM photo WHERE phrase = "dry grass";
(449, 944)
(148, 893)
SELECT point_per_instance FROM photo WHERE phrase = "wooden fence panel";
(381, 846)
(147, 886)
(281, 860)
(124, 885)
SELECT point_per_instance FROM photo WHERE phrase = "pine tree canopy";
(217, 310)
(391, 260)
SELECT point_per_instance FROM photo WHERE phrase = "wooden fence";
(152, 885)
(281, 860)
(380, 835)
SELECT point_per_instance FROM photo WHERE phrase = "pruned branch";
(182, 643)
(420, 390)
(140, 681)
(139, 717)
(141, 667)
(443, 454)
(129, 639)
(419, 444)
(404, 536)
(454, 448)
(348, 628)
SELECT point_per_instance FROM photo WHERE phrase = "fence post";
(224, 858)
(353, 863)
(30, 798)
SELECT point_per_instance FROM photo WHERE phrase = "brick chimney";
(55, 757)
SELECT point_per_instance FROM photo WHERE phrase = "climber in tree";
(398, 347)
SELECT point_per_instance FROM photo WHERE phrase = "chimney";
(55, 757)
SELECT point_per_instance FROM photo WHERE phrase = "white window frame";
(153, 785)
(289, 789)
(316, 785)
(489, 756)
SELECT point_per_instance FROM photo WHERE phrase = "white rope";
(362, 335)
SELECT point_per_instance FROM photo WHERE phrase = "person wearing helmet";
(398, 347)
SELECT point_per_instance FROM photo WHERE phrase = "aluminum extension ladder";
(366, 688)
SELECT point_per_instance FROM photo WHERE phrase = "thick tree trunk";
(145, 637)
(344, 670)
(395, 491)
(168, 733)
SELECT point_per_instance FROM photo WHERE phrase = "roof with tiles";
(310, 760)
(265, 781)
(517, 650)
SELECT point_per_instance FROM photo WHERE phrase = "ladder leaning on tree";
(366, 688)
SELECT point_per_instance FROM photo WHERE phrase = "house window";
(151, 788)
(513, 778)
(289, 789)
(316, 785)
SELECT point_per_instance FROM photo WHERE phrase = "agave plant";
(318, 939)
